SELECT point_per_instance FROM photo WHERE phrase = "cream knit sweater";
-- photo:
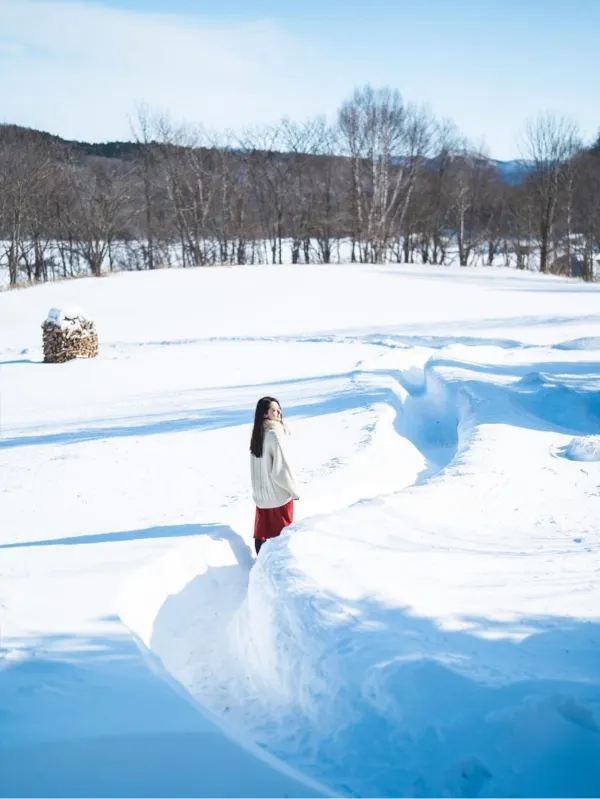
(273, 481)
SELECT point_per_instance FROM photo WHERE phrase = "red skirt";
(269, 522)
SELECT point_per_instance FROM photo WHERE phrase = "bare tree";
(43, 217)
(328, 216)
(301, 142)
(190, 162)
(101, 211)
(269, 176)
(586, 208)
(428, 225)
(550, 141)
(310, 199)
(474, 183)
(145, 128)
(386, 141)
(26, 161)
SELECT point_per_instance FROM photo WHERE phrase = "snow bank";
(583, 448)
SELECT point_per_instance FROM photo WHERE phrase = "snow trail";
(316, 671)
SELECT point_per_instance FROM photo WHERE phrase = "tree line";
(386, 182)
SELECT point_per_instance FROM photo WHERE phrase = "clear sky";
(80, 69)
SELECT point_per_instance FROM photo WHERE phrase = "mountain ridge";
(512, 172)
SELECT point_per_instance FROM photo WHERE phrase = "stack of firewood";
(68, 335)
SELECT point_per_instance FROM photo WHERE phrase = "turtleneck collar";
(272, 424)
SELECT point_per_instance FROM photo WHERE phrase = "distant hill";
(512, 172)
(113, 149)
(109, 149)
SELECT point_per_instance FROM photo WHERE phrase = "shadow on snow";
(393, 704)
(217, 531)
(92, 716)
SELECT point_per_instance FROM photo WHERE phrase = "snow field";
(428, 625)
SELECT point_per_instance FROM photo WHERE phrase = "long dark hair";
(256, 441)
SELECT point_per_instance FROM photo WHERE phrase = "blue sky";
(80, 69)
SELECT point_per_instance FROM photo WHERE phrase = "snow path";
(303, 628)
(430, 623)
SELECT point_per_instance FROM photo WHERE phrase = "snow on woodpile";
(67, 334)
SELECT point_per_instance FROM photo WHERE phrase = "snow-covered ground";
(430, 625)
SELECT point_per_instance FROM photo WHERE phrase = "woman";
(273, 482)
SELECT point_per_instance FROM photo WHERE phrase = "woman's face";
(274, 412)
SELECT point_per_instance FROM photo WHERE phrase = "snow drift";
(428, 626)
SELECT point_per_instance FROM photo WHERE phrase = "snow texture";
(583, 448)
(65, 318)
(430, 624)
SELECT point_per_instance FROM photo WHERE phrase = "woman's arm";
(281, 470)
